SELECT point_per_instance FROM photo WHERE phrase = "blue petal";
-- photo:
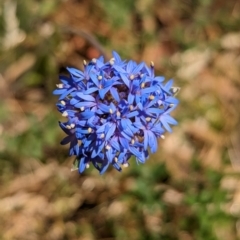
(135, 152)
(59, 91)
(140, 106)
(73, 101)
(86, 97)
(112, 107)
(165, 123)
(96, 151)
(171, 100)
(82, 130)
(159, 79)
(125, 79)
(94, 78)
(74, 146)
(114, 143)
(65, 80)
(170, 119)
(66, 93)
(114, 93)
(95, 164)
(116, 166)
(124, 124)
(138, 124)
(169, 84)
(130, 98)
(127, 135)
(117, 57)
(142, 159)
(147, 70)
(67, 131)
(101, 59)
(101, 129)
(145, 139)
(130, 66)
(107, 83)
(152, 141)
(86, 114)
(60, 107)
(154, 101)
(66, 140)
(104, 167)
(154, 110)
(103, 91)
(90, 90)
(84, 104)
(157, 129)
(119, 69)
(138, 68)
(110, 131)
(148, 90)
(167, 87)
(127, 127)
(105, 108)
(99, 63)
(82, 165)
(132, 114)
(124, 142)
(75, 72)
(110, 155)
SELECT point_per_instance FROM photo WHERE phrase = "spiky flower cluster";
(114, 110)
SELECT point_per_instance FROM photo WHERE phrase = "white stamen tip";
(152, 64)
(111, 111)
(162, 137)
(63, 103)
(125, 165)
(131, 107)
(87, 165)
(132, 141)
(171, 105)
(72, 125)
(89, 130)
(118, 114)
(108, 147)
(94, 60)
(68, 127)
(99, 77)
(65, 114)
(132, 77)
(84, 62)
(82, 108)
(142, 85)
(102, 135)
(115, 159)
(148, 119)
(175, 90)
(60, 85)
(112, 60)
(151, 97)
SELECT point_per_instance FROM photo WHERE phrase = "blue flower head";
(114, 110)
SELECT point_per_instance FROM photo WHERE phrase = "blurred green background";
(189, 190)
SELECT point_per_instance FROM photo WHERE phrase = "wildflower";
(114, 110)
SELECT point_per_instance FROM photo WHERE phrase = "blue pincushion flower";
(114, 110)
